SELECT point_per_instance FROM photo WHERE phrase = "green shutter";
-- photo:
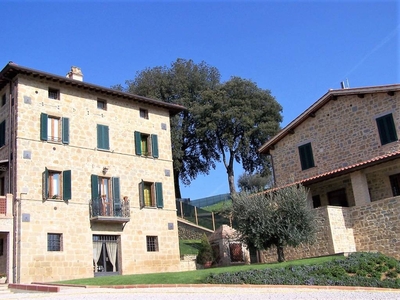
(67, 193)
(386, 129)
(2, 133)
(102, 137)
(154, 145)
(159, 195)
(43, 127)
(65, 130)
(141, 194)
(45, 184)
(116, 197)
(95, 187)
(138, 143)
(306, 156)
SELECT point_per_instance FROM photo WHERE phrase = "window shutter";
(138, 145)
(66, 185)
(154, 145)
(2, 133)
(95, 187)
(159, 195)
(116, 197)
(306, 156)
(65, 130)
(141, 194)
(386, 129)
(43, 127)
(45, 184)
(102, 137)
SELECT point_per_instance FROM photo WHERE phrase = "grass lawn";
(190, 277)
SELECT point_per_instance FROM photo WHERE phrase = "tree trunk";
(231, 175)
(176, 185)
(281, 255)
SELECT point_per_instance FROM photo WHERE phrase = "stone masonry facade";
(71, 219)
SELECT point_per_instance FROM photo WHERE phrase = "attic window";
(102, 104)
(54, 94)
(144, 113)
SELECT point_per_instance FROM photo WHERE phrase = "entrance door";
(105, 255)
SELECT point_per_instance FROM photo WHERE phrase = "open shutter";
(141, 194)
(138, 141)
(43, 127)
(65, 130)
(96, 202)
(66, 181)
(154, 145)
(159, 195)
(45, 184)
(116, 197)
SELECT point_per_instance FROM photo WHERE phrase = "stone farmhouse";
(345, 148)
(86, 179)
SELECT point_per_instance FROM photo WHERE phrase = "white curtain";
(96, 253)
(112, 253)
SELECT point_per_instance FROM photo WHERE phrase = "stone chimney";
(75, 73)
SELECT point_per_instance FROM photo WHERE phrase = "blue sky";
(296, 49)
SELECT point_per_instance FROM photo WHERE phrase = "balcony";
(109, 212)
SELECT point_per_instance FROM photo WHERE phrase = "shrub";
(205, 251)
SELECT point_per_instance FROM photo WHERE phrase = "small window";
(146, 144)
(102, 104)
(306, 156)
(54, 129)
(3, 100)
(150, 194)
(56, 185)
(144, 113)
(395, 184)
(54, 94)
(316, 201)
(103, 141)
(386, 129)
(54, 242)
(152, 243)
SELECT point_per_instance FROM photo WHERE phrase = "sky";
(296, 49)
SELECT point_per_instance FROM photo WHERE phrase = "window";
(54, 242)
(1, 247)
(54, 94)
(144, 113)
(103, 141)
(306, 156)
(102, 104)
(338, 198)
(2, 186)
(3, 100)
(2, 133)
(106, 200)
(146, 144)
(152, 243)
(316, 201)
(150, 194)
(395, 184)
(56, 185)
(386, 129)
(54, 129)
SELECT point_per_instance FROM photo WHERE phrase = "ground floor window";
(54, 242)
(105, 253)
(152, 243)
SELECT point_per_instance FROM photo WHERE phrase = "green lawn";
(189, 277)
(189, 247)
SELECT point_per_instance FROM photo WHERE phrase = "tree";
(239, 117)
(278, 218)
(253, 182)
(184, 83)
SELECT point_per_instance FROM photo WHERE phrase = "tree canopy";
(278, 218)
(254, 182)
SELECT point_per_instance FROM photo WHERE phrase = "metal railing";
(109, 209)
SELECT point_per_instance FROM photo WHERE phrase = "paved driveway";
(211, 293)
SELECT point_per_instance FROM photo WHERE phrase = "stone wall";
(189, 231)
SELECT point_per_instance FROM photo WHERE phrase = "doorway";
(105, 255)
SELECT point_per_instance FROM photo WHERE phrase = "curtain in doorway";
(112, 253)
(96, 253)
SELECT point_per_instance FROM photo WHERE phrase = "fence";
(203, 202)
(200, 217)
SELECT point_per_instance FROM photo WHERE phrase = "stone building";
(345, 148)
(87, 173)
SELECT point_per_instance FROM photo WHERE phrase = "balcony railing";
(109, 212)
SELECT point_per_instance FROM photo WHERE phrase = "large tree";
(184, 83)
(280, 218)
(239, 116)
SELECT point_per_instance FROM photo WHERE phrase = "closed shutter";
(45, 184)
(306, 156)
(138, 144)
(159, 195)
(43, 127)
(65, 130)
(386, 129)
(67, 193)
(154, 145)
(102, 137)
(141, 194)
(116, 197)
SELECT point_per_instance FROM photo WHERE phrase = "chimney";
(75, 73)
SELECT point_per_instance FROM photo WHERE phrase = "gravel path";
(210, 293)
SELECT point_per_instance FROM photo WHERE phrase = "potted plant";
(205, 256)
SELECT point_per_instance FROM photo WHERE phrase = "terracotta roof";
(11, 70)
(344, 170)
(312, 110)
